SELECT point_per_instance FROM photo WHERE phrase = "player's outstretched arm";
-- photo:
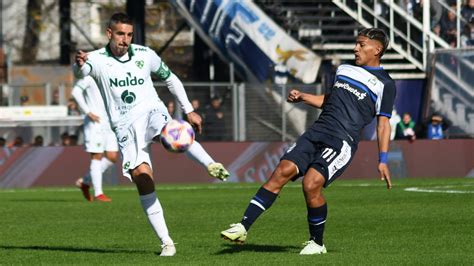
(296, 96)
(383, 136)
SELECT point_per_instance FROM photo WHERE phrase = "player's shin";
(198, 154)
(105, 164)
(316, 221)
(259, 203)
(96, 177)
(152, 207)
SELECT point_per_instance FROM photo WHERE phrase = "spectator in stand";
(73, 139)
(65, 140)
(171, 108)
(72, 108)
(197, 108)
(415, 8)
(214, 124)
(55, 100)
(24, 100)
(467, 37)
(406, 128)
(38, 141)
(448, 26)
(467, 11)
(17, 143)
(4, 151)
(436, 128)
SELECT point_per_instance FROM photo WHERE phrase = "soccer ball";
(177, 136)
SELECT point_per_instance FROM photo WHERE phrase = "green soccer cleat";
(311, 248)
(236, 233)
(218, 171)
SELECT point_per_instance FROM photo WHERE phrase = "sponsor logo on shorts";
(126, 165)
(341, 160)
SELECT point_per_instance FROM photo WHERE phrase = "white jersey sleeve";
(173, 83)
(78, 94)
(88, 97)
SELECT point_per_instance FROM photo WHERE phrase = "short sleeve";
(388, 99)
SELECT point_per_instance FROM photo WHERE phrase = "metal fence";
(230, 112)
(452, 89)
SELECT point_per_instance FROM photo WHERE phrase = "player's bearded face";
(120, 36)
(366, 52)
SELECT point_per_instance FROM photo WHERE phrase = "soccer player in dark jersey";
(324, 151)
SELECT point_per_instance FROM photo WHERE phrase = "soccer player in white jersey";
(99, 139)
(325, 150)
(122, 72)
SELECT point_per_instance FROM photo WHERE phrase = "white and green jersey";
(125, 83)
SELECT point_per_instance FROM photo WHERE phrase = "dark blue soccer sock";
(259, 203)
(316, 220)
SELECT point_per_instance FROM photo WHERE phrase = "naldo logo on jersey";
(128, 97)
(128, 81)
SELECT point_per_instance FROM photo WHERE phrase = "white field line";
(417, 189)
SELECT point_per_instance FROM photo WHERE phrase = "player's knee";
(141, 171)
(112, 158)
(285, 171)
(144, 183)
(313, 183)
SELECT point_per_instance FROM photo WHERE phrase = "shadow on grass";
(234, 248)
(47, 200)
(73, 249)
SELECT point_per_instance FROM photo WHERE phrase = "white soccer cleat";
(236, 233)
(311, 248)
(218, 171)
(168, 250)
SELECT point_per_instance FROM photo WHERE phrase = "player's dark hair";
(120, 18)
(378, 35)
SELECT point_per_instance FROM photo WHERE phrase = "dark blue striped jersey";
(357, 96)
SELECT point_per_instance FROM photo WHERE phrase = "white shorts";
(99, 137)
(135, 138)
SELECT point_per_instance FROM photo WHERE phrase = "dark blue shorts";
(329, 155)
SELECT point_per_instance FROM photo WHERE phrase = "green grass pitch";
(434, 224)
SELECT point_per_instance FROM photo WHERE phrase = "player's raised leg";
(143, 178)
(313, 184)
(263, 200)
(196, 152)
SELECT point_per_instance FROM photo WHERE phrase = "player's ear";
(378, 50)
(109, 33)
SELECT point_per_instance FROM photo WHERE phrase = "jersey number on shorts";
(328, 154)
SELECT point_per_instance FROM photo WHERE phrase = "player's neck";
(115, 53)
(372, 63)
